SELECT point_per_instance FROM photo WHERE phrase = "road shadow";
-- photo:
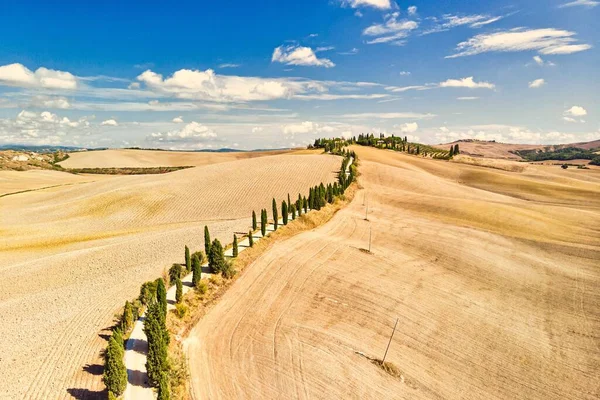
(137, 378)
(188, 284)
(86, 394)
(206, 270)
(137, 345)
(171, 302)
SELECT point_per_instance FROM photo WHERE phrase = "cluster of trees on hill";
(397, 143)
(564, 154)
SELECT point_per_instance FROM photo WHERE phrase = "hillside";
(479, 148)
(492, 274)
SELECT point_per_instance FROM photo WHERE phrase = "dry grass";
(493, 275)
(71, 255)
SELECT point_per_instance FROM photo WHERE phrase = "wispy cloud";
(545, 41)
(351, 52)
(468, 82)
(538, 83)
(229, 65)
(380, 4)
(452, 21)
(584, 3)
(391, 30)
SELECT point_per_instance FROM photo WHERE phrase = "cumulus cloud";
(412, 10)
(178, 120)
(20, 76)
(409, 127)
(40, 128)
(207, 85)
(109, 122)
(404, 73)
(501, 133)
(192, 133)
(585, 3)
(538, 83)
(544, 41)
(380, 4)
(576, 111)
(299, 55)
(306, 127)
(466, 83)
(391, 30)
(50, 102)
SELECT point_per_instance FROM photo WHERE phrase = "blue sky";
(192, 75)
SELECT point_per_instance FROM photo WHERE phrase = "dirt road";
(494, 276)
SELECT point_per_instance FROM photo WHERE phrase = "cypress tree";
(206, 240)
(197, 270)
(127, 320)
(216, 259)
(284, 212)
(293, 211)
(235, 246)
(253, 221)
(456, 149)
(275, 216)
(115, 373)
(178, 291)
(250, 239)
(289, 202)
(263, 223)
(188, 261)
(451, 152)
(154, 327)
(174, 273)
(163, 388)
(161, 297)
(305, 205)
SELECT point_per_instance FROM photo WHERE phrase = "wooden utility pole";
(390, 342)
(367, 212)
(370, 231)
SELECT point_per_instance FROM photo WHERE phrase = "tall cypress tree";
(451, 152)
(115, 373)
(263, 222)
(284, 212)
(275, 215)
(188, 261)
(156, 359)
(206, 240)
(164, 392)
(253, 220)
(305, 205)
(197, 270)
(250, 239)
(289, 204)
(293, 211)
(456, 149)
(127, 319)
(216, 259)
(235, 246)
(161, 297)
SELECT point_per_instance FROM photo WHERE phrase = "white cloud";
(299, 55)
(410, 127)
(50, 102)
(576, 111)
(412, 10)
(109, 122)
(134, 85)
(404, 73)
(501, 133)
(569, 119)
(306, 127)
(229, 65)
(467, 98)
(586, 3)
(350, 52)
(397, 115)
(380, 4)
(538, 83)
(545, 41)
(391, 31)
(539, 61)
(43, 128)
(193, 132)
(358, 14)
(453, 21)
(466, 83)
(178, 120)
(328, 96)
(207, 85)
(20, 76)
(324, 48)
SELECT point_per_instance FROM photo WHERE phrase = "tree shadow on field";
(86, 394)
(94, 369)
(206, 270)
(188, 284)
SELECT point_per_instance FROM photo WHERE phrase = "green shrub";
(174, 273)
(202, 287)
(180, 310)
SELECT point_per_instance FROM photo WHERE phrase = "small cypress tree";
(305, 204)
(178, 291)
(275, 215)
(289, 204)
(206, 240)
(174, 273)
(216, 258)
(127, 320)
(161, 297)
(235, 246)
(158, 340)
(293, 211)
(263, 222)
(253, 221)
(284, 212)
(115, 373)
(456, 149)
(188, 260)
(250, 239)
(451, 152)
(197, 270)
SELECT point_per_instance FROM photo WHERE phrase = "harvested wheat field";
(124, 158)
(71, 255)
(493, 275)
